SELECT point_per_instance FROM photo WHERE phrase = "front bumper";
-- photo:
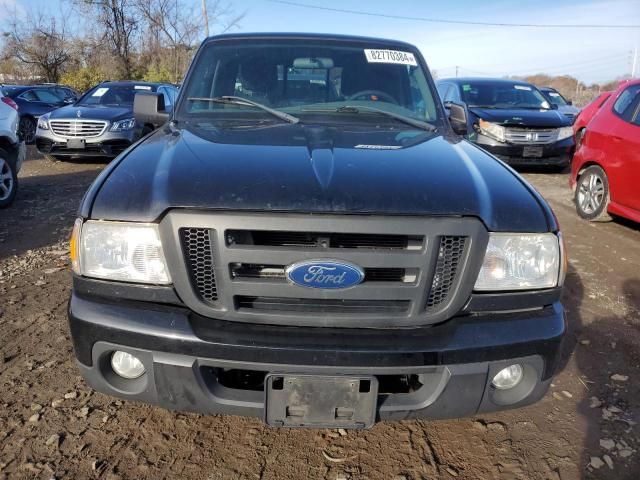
(109, 144)
(554, 154)
(188, 357)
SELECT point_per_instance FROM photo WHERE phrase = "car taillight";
(10, 102)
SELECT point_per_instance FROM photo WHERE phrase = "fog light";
(126, 365)
(508, 377)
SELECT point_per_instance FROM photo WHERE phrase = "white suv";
(12, 151)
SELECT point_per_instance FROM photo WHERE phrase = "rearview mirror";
(458, 117)
(315, 62)
(148, 108)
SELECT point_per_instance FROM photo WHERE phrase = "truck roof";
(310, 36)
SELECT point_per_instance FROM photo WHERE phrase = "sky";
(592, 55)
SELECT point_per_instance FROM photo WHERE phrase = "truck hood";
(522, 117)
(92, 113)
(314, 169)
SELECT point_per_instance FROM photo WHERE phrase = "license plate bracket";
(319, 401)
(535, 152)
(76, 143)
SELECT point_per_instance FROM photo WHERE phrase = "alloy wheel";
(6, 179)
(591, 193)
(27, 130)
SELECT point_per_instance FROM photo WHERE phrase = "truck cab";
(308, 239)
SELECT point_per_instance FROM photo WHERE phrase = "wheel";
(8, 181)
(592, 194)
(27, 130)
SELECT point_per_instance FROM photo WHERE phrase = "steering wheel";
(369, 93)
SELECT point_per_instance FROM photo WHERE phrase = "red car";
(586, 114)
(605, 172)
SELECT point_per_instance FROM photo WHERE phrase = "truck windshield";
(502, 95)
(307, 77)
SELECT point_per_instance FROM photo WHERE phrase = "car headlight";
(565, 132)
(43, 122)
(493, 130)
(122, 251)
(122, 125)
(521, 262)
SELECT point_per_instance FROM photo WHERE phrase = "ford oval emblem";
(328, 274)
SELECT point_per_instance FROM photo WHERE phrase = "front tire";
(8, 181)
(592, 194)
(27, 130)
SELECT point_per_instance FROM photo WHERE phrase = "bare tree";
(119, 22)
(180, 28)
(40, 42)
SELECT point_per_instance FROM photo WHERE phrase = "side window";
(29, 96)
(443, 88)
(47, 96)
(626, 102)
(452, 94)
(168, 101)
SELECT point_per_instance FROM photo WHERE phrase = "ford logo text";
(326, 274)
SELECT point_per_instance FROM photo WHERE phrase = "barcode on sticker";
(390, 56)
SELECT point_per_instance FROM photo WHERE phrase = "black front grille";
(322, 306)
(274, 238)
(450, 255)
(197, 248)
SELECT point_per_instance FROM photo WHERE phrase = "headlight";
(43, 122)
(127, 252)
(123, 125)
(565, 132)
(521, 262)
(492, 130)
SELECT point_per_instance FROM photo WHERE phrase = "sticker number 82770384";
(390, 56)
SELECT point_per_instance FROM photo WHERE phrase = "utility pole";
(634, 62)
(205, 17)
(457, 71)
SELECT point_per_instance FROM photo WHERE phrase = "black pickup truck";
(308, 239)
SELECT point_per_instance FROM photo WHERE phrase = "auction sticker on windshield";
(100, 92)
(390, 56)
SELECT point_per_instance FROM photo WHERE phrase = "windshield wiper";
(396, 116)
(231, 100)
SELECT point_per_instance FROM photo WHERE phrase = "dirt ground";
(53, 426)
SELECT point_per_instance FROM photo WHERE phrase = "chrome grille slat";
(531, 136)
(73, 128)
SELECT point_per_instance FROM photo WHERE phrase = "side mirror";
(458, 118)
(148, 107)
(569, 102)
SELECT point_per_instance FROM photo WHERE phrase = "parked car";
(564, 106)
(33, 102)
(314, 260)
(512, 120)
(586, 114)
(100, 123)
(12, 151)
(605, 173)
